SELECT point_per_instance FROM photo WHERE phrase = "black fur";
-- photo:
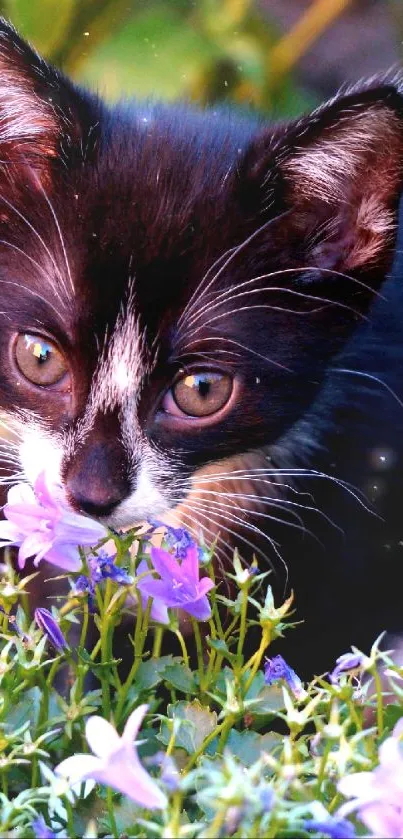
(148, 198)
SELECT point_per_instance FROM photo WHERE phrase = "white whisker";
(58, 228)
(370, 377)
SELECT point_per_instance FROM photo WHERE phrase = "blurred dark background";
(281, 56)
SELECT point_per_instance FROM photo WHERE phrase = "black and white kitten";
(175, 287)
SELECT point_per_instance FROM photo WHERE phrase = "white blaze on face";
(121, 376)
(121, 368)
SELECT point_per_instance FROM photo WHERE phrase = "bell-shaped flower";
(276, 669)
(179, 586)
(377, 796)
(348, 663)
(50, 627)
(43, 526)
(115, 761)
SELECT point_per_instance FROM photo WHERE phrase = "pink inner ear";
(354, 170)
(28, 122)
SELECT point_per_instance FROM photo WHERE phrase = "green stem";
(183, 646)
(322, 767)
(109, 799)
(225, 732)
(105, 657)
(158, 635)
(52, 672)
(242, 628)
(214, 605)
(379, 700)
(211, 658)
(70, 820)
(175, 823)
(84, 626)
(257, 657)
(199, 650)
(140, 635)
(215, 827)
(231, 627)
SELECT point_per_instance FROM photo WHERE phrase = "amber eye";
(202, 394)
(39, 360)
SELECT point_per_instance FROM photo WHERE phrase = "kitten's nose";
(96, 481)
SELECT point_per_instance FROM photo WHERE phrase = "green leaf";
(195, 723)
(262, 699)
(249, 745)
(180, 677)
(221, 647)
(26, 710)
(151, 673)
(97, 665)
(391, 715)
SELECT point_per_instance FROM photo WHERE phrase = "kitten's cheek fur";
(38, 451)
(147, 501)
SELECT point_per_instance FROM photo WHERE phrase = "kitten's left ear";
(36, 112)
(338, 172)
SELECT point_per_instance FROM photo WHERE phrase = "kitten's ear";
(34, 112)
(339, 172)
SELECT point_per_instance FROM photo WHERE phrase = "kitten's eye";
(39, 360)
(199, 394)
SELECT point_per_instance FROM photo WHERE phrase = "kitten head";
(175, 283)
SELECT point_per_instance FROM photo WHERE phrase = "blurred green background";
(281, 56)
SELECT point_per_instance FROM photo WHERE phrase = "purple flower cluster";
(101, 567)
(41, 524)
(177, 539)
(178, 586)
(276, 670)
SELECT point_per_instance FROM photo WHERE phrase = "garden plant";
(198, 735)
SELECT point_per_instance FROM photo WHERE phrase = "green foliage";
(208, 51)
(210, 737)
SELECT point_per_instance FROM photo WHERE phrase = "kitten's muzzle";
(96, 481)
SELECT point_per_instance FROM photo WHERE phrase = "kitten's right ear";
(338, 172)
(34, 104)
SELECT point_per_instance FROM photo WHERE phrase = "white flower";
(115, 761)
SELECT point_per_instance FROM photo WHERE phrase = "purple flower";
(85, 586)
(115, 761)
(51, 628)
(335, 828)
(40, 522)
(101, 567)
(41, 830)
(177, 539)
(12, 620)
(276, 669)
(179, 586)
(266, 798)
(347, 663)
(169, 771)
(378, 795)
